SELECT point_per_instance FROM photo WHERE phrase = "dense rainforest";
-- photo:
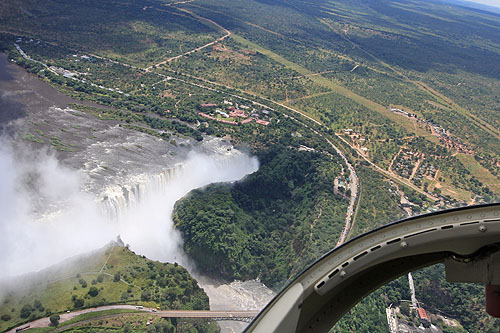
(269, 225)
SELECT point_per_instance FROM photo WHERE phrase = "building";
(206, 115)
(236, 113)
(423, 317)
(216, 119)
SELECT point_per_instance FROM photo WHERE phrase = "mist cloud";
(45, 217)
(148, 227)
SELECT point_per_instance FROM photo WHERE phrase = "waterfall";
(117, 199)
(140, 208)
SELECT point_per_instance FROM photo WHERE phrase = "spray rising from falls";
(119, 199)
(143, 208)
(46, 217)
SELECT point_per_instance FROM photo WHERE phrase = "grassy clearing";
(480, 172)
(447, 188)
(55, 287)
(79, 283)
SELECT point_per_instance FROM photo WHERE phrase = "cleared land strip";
(313, 74)
(332, 86)
(423, 86)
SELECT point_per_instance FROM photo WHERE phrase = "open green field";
(112, 275)
(483, 174)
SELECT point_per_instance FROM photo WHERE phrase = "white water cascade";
(142, 208)
(117, 199)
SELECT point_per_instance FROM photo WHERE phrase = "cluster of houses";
(426, 170)
(232, 113)
(407, 161)
(64, 72)
(449, 141)
(27, 41)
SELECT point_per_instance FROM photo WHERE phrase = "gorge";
(101, 180)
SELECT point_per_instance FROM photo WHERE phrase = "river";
(134, 180)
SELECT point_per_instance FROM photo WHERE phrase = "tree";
(405, 308)
(6, 317)
(93, 291)
(54, 319)
(26, 311)
(37, 304)
(78, 302)
(116, 277)
(146, 295)
(83, 283)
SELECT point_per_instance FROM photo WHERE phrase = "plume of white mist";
(148, 227)
(44, 217)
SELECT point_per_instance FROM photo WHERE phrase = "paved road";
(44, 322)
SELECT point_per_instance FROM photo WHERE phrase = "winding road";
(354, 180)
(353, 176)
(45, 322)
